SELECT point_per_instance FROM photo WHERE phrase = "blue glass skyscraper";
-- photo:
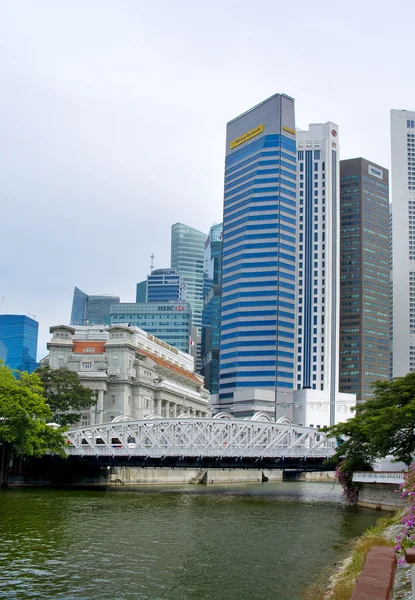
(91, 310)
(211, 308)
(259, 260)
(164, 285)
(19, 335)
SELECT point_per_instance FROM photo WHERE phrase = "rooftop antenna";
(152, 262)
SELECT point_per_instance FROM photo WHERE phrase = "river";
(239, 542)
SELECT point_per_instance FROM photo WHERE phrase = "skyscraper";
(211, 308)
(403, 243)
(187, 251)
(91, 310)
(317, 401)
(164, 285)
(318, 257)
(141, 291)
(259, 260)
(19, 335)
(364, 265)
(168, 321)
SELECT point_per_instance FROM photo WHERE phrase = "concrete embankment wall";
(54, 472)
(381, 496)
(138, 476)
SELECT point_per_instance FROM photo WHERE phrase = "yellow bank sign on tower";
(246, 136)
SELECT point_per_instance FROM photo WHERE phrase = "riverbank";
(54, 473)
(342, 582)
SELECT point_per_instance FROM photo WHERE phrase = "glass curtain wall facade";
(187, 252)
(164, 285)
(364, 264)
(19, 334)
(259, 257)
(211, 309)
(141, 291)
(91, 310)
(78, 314)
(169, 322)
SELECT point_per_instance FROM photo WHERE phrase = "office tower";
(141, 291)
(91, 310)
(403, 243)
(211, 309)
(164, 285)
(364, 266)
(19, 335)
(259, 261)
(78, 314)
(187, 250)
(317, 401)
(168, 321)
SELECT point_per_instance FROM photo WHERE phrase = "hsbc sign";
(169, 308)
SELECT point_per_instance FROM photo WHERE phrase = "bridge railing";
(379, 477)
(204, 437)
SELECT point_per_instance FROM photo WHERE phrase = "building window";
(87, 366)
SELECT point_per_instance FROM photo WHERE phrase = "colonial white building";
(134, 374)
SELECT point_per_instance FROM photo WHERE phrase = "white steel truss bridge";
(186, 442)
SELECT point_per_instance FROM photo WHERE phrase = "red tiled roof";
(171, 366)
(89, 347)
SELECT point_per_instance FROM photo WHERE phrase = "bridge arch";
(285, 421)
(121, 418)
(223, 415)
(260, 416)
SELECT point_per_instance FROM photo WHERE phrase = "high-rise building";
(187, 252)
(317, 401)
(164, 285)
(168, 321)
(91, 310)
(259, 261)
(211, 308)
(364, 267)
(141, 291)
(403, 243)
(19, 335)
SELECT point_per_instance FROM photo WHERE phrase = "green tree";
(24, 415)
(65, 394)
(383, 425)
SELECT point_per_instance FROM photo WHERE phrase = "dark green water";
(238, 542)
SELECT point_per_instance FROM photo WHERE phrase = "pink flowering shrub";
(406, 539)
(344, 476)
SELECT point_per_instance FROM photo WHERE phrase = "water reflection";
(175, 543)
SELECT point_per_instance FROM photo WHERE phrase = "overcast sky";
(113, 116)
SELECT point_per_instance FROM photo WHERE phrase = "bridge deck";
(202, 440)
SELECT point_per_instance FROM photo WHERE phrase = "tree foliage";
(383, 425)
(65, 394)
(24, 415)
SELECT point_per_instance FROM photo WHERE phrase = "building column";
(174, 406)
(156, 407)
(100, 408)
